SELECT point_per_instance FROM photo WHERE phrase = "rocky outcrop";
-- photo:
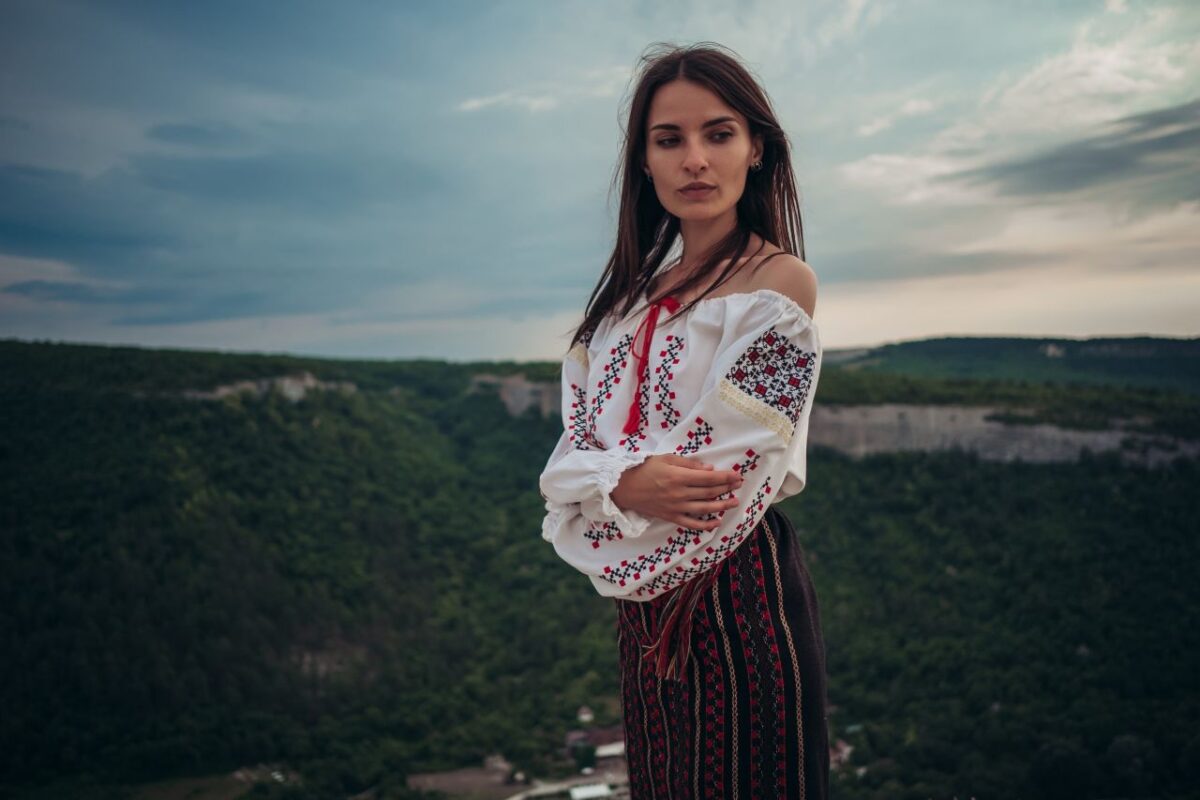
(862, 430)
(518, 393)
(892, 427)
(292, 387)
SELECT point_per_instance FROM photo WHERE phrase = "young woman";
(687, 391)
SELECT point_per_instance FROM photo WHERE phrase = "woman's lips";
(697, 194)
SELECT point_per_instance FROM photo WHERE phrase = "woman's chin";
(696, 211)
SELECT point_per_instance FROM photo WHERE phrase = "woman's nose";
(695, 159)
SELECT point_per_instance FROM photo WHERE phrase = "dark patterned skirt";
(746, 714)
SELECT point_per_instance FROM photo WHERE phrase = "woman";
(687, 391)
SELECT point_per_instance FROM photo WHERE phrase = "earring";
(756, 166)
(649, 178)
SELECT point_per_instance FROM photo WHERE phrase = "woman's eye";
(668, 142)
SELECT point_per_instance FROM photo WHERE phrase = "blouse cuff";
(607, 475)
(556, 516)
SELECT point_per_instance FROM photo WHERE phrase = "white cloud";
(606, 81)
(910, 108)
(913, 179)
(1109, 71)
(529, 102)
(14, 269)
(842, 23)
(1095, 234)
(18, 270)
(596, 82)
(846, 19)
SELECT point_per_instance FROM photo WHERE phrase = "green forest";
(355, 585)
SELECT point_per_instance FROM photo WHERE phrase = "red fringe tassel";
(672, 643)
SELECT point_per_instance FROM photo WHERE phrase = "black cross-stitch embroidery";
(699, 436)
(775, 371)
(602, 531)
(665, 372)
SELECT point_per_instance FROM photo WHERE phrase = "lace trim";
(760, 412)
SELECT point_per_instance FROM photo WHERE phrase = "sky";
(433, 179)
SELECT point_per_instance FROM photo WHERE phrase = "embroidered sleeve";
(752, 417)
(581, 473)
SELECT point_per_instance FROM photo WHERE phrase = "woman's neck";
(701, 235)
(675, 274)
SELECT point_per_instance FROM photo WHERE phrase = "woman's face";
(692, 136)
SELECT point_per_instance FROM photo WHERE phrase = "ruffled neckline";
(768, 295)
(754, 294)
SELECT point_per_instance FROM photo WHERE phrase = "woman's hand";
(677, 489)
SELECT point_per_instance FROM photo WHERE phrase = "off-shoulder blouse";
(731, 382)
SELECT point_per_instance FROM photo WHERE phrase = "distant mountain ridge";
(1140, 361)
(996, 431)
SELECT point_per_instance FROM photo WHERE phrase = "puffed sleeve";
(580, 475)
(752, 417)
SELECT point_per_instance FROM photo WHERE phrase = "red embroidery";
(642, 361)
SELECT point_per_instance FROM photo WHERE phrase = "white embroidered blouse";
(730, 383)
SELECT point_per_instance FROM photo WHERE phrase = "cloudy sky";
(386, 179)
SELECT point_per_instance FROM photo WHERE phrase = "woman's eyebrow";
(671, 126)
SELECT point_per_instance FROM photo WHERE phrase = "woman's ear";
(756, 148)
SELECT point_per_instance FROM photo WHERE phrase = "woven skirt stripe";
(747, 717)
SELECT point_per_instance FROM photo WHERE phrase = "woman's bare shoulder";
(790, 276)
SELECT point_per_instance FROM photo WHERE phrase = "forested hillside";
(1140, 361)
(354, 584)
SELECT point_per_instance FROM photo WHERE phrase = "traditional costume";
(721, 653)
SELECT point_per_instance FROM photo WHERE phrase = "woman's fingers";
(698, 494)
(711, 493)
(700, 484)
(696, 508)
(697, 477)
(692, 523)
(693, 516)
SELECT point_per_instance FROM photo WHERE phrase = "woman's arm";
(613, 484)
(752, 419)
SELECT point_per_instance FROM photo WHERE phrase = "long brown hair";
(646, 232)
